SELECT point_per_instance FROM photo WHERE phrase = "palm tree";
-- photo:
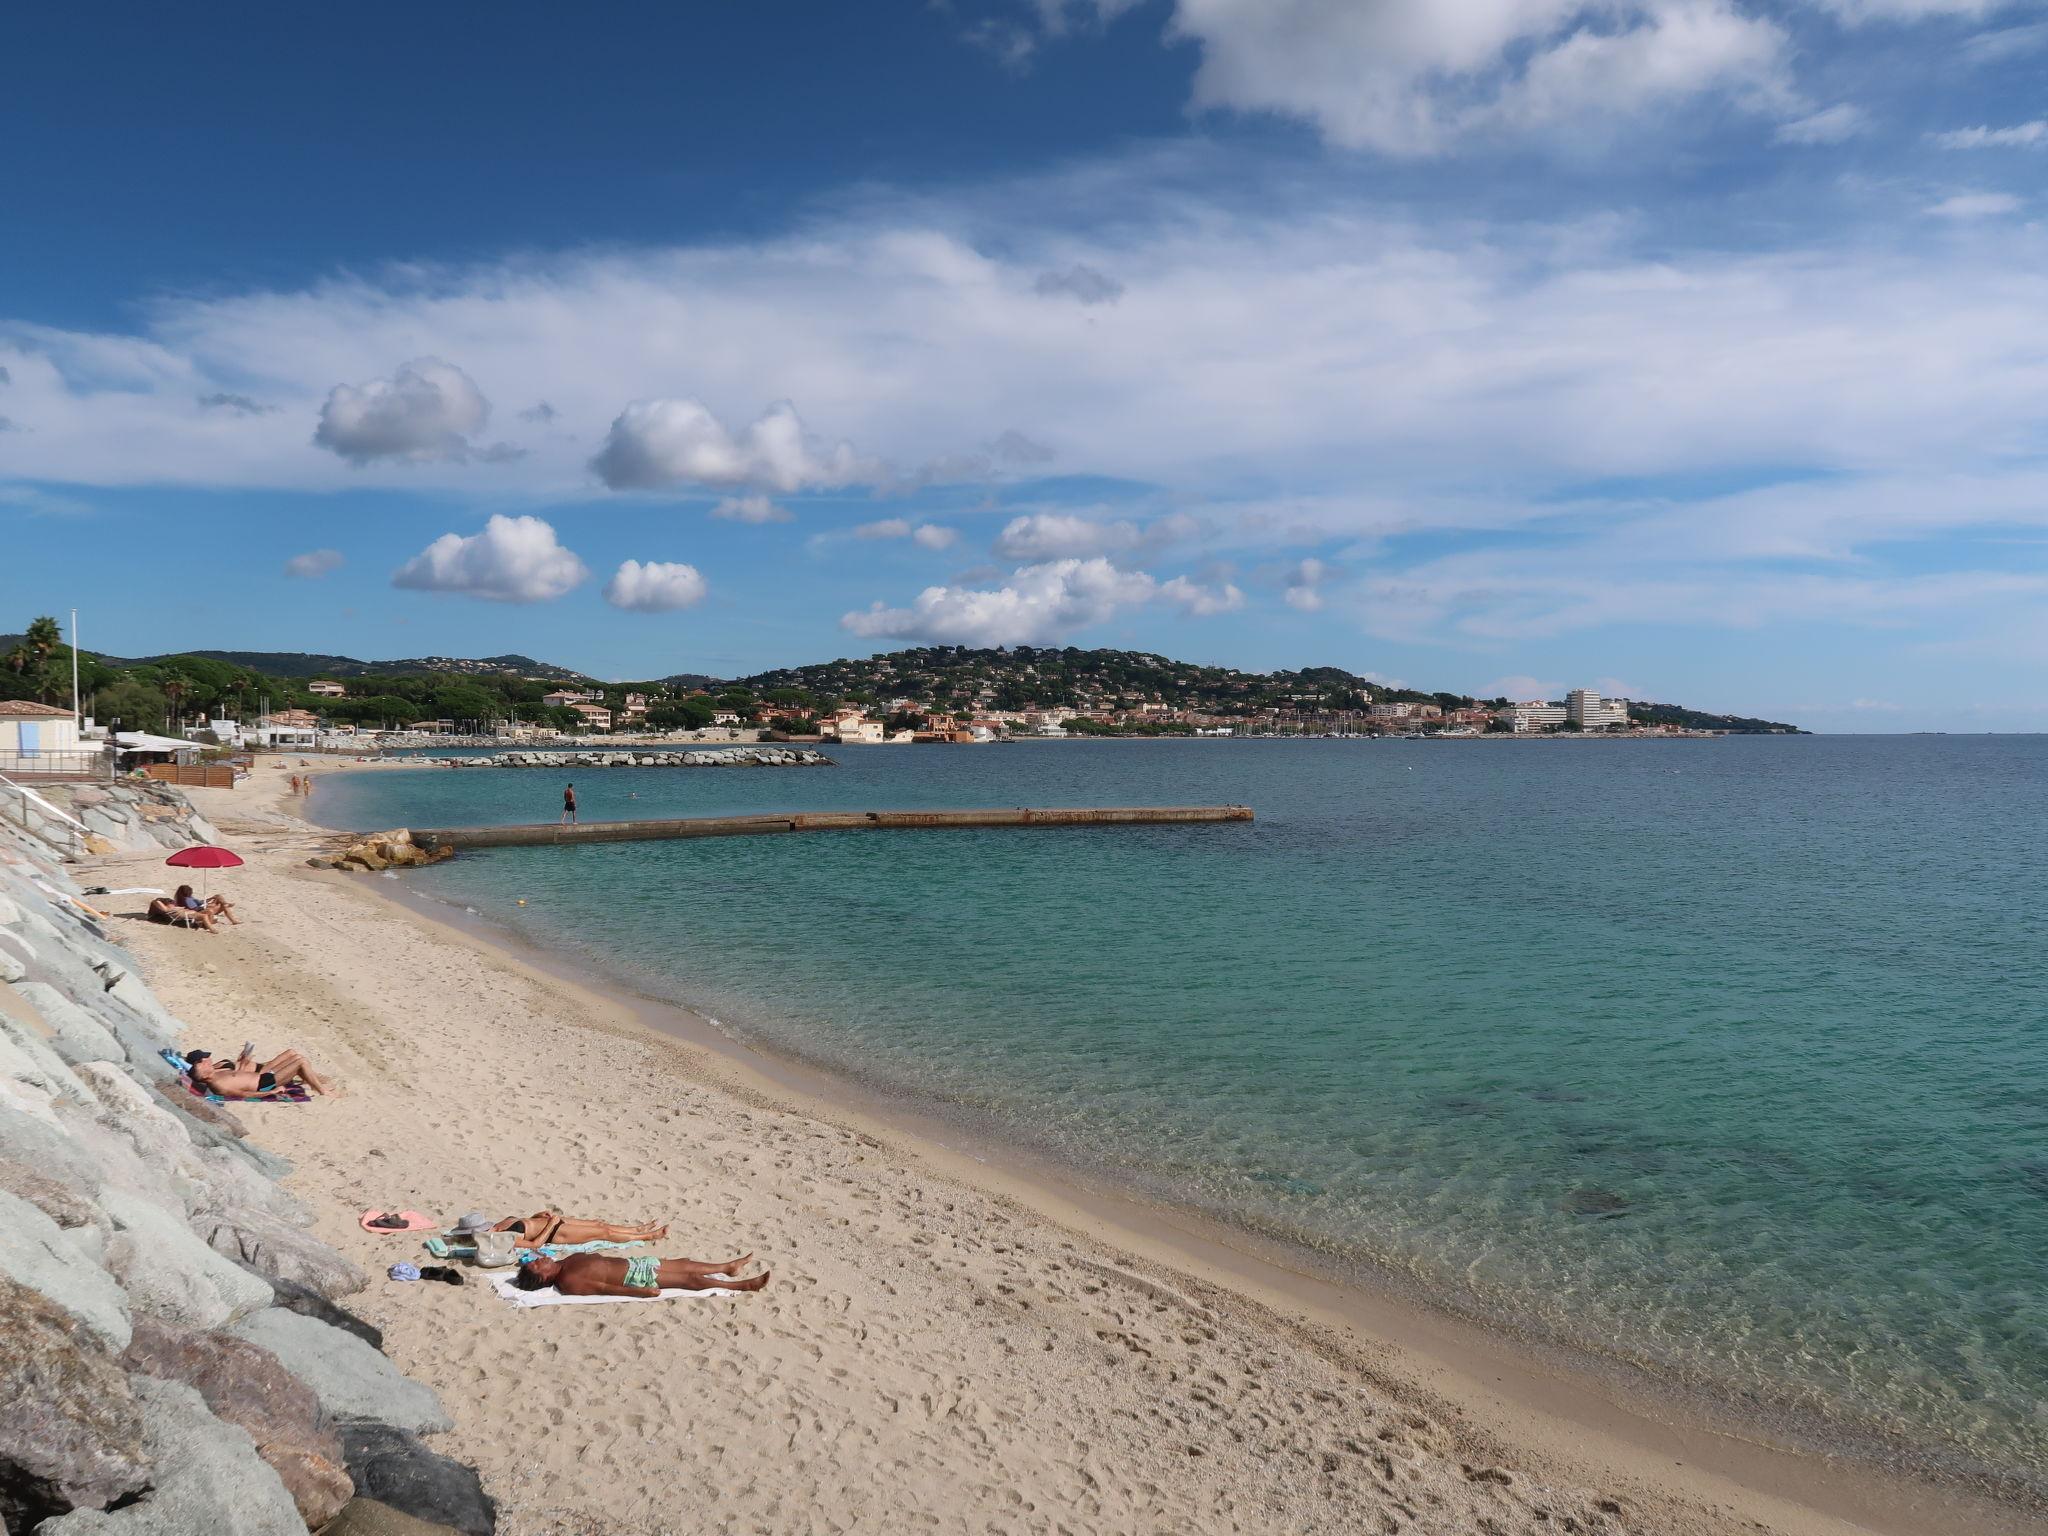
(32, 658)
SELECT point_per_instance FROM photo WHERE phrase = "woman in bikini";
(546, 1227)
(247, 1078)
(592, 1274)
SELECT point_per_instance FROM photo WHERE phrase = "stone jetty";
(645, 757)
(175, 1358)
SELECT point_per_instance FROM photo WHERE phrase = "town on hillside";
(924, 694)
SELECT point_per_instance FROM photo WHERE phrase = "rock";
(248, 1387)
(72, 1432)
(76, 1036)
(372, 1517)
(184, 1101)
(96, 844)
(1602, 1203)
(125, 1108)
(64, 1203)
(11, 967)
(278, 1252)
(209, 1480)
(353, 1380)
(170, 1272)
(307, 1302)
(396, 1468)
(36, 1254)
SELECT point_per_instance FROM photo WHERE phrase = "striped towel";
(291, 1093)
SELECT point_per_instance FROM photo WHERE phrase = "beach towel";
(441, 1248)
(290, 1093)
(507, 1287)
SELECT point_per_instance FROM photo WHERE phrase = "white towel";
(508, 1287)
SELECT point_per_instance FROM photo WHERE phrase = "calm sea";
(1726, 1058)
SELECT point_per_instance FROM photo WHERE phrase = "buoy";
(522, 901)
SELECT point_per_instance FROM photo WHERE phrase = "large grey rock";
(69, 1204)
(307, 1302)
(169, 1271)
(209, 1479)
(77, 1036)
(353, 1381)
(126, 1108)
(231, 1182)
(71, 1433)
(278, 1252)
(395, 1467)
(249, 1388)
(36, 1253)
(32, 1074)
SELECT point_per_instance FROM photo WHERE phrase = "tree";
(39, 664)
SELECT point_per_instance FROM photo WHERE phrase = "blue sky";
(1696, 348)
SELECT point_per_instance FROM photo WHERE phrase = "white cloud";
(1303, 591)
(752, 509)
(658, 443)
(427, 410)
(1974, 205)
(314, 563)
(1521, 688)
(655, 587)
(1037, 604)
(1830, 125)
(513, 560)
(924, 535)
(1856, 12)
(1058, 535)
(2030, 135)
(934, 536)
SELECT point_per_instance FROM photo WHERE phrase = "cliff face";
(173, 1356)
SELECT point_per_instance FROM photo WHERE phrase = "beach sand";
(942, 1346)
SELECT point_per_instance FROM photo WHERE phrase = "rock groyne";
(644, 757)
(174, 1354)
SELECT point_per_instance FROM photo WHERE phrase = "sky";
(1696, 350)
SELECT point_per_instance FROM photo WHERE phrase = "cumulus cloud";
(1303, 590)
(427, 410)
(884, 528)
(314, 563)
(934, 536)
(1057, 535)
(1082, 283)
(2030, 135)
(1974, 205)
(924, 535)
(655, 587)
(1036, 604)
(654, 444)
(1522, 689)
(1830, 125)
(513, 560)
(752, 509)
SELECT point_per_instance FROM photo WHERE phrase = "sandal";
(442, 1272)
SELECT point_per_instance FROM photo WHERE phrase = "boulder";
(395, 1467)
(126, 1108)
(278, 1252)
(236, 1185)
(209, 1480)
(217, 1116)
(352, 1380)
(72, 1432)
(372, 1517)
(76, 1036)
(170, 1272)
(37, 1254)
(307, 1302)
(247, 1387)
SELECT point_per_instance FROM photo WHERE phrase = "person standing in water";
(569, 806)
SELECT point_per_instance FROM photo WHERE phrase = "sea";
(1720, 1060)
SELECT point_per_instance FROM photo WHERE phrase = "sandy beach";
(945, 1344)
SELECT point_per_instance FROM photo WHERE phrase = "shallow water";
(1728, 1058)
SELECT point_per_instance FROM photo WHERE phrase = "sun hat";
(472, 1221)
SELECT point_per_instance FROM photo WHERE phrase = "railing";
(57, 767)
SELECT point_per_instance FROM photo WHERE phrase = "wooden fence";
(201, 775)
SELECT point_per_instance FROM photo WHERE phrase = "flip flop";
(395, 1221)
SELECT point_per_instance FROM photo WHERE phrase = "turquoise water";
(1725, 1058)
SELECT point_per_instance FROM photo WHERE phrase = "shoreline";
(1502, 1395)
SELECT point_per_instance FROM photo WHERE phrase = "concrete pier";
(820, 821)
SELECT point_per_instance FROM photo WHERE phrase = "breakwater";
(172, 1346)
(723, 757)
(548, 833)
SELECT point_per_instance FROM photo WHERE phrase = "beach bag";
(495, 1250)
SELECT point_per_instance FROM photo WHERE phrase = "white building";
(1533, 716)
(37, 737)
(1586, 709)
(323, 689)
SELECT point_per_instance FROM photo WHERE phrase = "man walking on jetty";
(569, 806)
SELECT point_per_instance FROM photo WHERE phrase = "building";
(320, 688)
(42, 739)
(1533, 716)
(634, 708)
(569, 698)
(595, 716)
(1586, 709)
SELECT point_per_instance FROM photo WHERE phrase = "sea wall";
(174, 1357)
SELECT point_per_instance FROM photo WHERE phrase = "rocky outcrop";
(396, 1468)
(718, 757)
(380, 851)
(171, 1360)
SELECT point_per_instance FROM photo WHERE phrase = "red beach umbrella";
(204, 856)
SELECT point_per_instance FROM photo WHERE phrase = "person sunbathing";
(247, 1078)
(165, 910)
(213, 906)
(546, 1227)
(592, 1274)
